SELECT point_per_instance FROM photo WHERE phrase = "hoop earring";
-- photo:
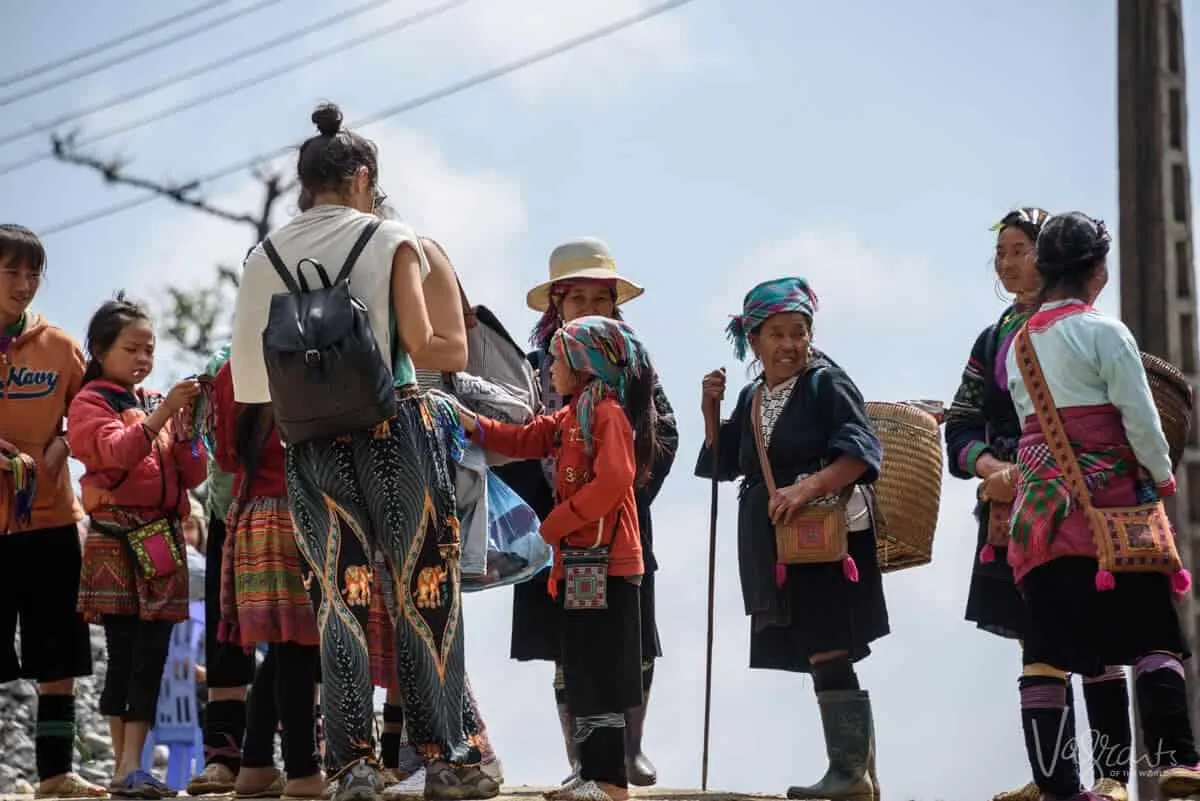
(998, 287)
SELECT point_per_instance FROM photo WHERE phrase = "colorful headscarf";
(769, 298)
(610, 352)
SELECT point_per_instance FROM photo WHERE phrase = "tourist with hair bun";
(1091, 435)
(41, 371)
(386, 486)
(982, 430)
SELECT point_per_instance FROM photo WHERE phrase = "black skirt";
(536, 621)
(1074, 627)
(601, 653)
(828, 612)
(993, 601)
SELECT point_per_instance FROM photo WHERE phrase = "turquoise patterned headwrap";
(769, 298)
(606, 349)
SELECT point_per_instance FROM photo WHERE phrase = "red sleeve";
(100, 439)
(533, 440)
(225, 420)
(613, 471)
(192, 460)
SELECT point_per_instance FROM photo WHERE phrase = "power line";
(249, 83)
(132, 54)
(408, 105)
(195, 72)
(92, 50)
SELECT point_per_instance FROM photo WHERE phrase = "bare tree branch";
(196, 320)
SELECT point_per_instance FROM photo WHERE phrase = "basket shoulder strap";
(1049, 419)
(760, 446)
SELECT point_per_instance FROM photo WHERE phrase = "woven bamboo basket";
(908, 493)
(1173, 397)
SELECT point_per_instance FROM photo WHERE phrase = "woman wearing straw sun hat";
(584, 280)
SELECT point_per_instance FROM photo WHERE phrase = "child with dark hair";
(604, 443)
(41, 370)
(264, 599)
(138, 470)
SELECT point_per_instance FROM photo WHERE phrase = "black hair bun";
(328, 119)
(1070, 242)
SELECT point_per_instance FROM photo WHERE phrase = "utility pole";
(1158, 293)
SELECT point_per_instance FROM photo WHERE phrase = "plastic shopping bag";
(515, 550)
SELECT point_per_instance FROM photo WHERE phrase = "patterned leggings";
(389, 489)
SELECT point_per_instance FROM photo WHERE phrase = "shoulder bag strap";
(756, 424)
(761, 447)
(1049, 419)
(356, 251)
(280, 267)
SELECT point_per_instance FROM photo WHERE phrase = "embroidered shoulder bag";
(818, 532)
(1130, 539)
(155, 545)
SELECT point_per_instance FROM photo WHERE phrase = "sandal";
(142, 785)
(70, 785)
(590, 791)
(215, 779)
(272, 790)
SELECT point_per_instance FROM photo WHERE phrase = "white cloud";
(853, 280)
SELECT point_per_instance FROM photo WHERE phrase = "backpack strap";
(357, 250)
(280, 267)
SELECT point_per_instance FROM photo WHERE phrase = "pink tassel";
(1105, 581)
(987, 555)
(850, 568)
(1181, 581)
(780, 575)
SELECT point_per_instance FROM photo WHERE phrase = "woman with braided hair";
(982, 430)
(1090, 434)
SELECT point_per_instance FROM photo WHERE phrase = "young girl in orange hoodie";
(134, 579)
(603, 444)
(41, 368)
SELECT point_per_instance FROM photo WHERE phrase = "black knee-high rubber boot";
(638, 767)
(846, 720)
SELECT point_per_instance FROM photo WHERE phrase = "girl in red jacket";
(603, 444)
(134, 579)
(264, 600)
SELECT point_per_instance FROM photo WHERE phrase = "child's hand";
(468, 418)
(182, 394)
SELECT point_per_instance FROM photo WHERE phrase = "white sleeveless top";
(326, 234)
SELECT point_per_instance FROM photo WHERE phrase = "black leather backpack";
(326, 373)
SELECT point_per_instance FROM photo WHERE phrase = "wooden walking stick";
(712, 591)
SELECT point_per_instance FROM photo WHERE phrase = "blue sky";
(867, 145)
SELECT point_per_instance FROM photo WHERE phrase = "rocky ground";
(18, 703)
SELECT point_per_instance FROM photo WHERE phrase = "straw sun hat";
(580, 259)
